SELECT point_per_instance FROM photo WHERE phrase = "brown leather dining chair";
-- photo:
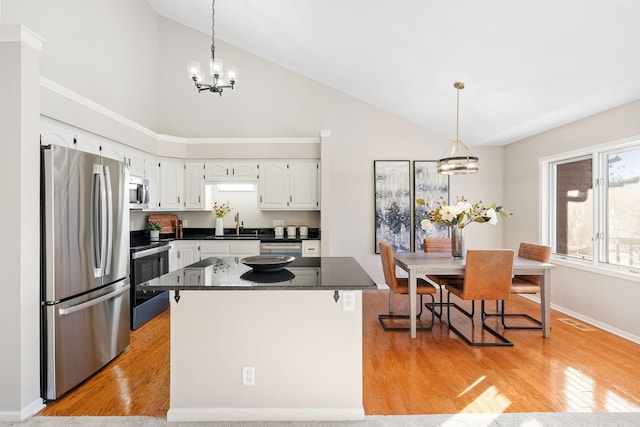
(400, 285)
(525, 284)
(441, 245)
(487, 276)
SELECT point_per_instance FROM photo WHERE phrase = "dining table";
(443, 264)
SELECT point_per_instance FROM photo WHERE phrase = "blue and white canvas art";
(430, 186)
(393, 204)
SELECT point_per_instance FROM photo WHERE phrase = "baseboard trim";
(264, 414)
(604, 326)
(21, 415)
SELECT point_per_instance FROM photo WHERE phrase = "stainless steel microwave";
(138, 193)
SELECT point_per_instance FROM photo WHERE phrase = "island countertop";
(229, 273)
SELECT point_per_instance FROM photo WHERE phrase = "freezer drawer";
(82, 335)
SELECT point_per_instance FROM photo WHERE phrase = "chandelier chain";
(213, 29)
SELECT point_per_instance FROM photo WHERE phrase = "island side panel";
(306, 350)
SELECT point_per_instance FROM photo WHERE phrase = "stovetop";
(140, 241)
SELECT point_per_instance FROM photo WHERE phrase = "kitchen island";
(248, 345)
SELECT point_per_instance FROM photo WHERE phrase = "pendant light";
(215, 65)
(458, 160)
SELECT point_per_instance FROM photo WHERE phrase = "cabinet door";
(115, 151)
(244, 171)
(188, 253)
(171, 184)
(135, 161)
(56, 133)
(217, 170)
(152, 174)
(311, 248)
(273, 185)
(244, 249)
(173, 256)
(214, 249)
(194, 184)
(303, 184)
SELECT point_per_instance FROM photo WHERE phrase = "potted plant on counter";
(154, 230)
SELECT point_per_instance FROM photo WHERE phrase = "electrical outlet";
(348, 300)
(248, 375)
(278, 222)
(185, 223)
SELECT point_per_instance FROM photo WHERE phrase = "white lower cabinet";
(311, 248)
(173, 256)
(224, 248)
(188, 252)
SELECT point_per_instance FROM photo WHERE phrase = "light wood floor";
(573, 371)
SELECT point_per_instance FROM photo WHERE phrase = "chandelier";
(215, 66)
(458, 160)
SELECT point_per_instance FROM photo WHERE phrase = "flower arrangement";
(461, 214)
(221, 209)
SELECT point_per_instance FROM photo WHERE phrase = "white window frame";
(547, 209)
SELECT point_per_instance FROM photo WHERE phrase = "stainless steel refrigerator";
(84, 266)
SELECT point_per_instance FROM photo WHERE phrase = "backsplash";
(251, 218)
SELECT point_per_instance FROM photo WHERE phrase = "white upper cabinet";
(152, 174)
(303, 184)
(56, 133)
(231, 170)
(136, 161)
(273, 185)
(288, 185)
(171, 184)
(194, 184)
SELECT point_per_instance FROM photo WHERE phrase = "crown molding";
(86, 102)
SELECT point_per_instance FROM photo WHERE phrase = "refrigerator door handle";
(109, 219)
(87, 304)
(98, 214)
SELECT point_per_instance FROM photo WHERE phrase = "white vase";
(219, 226)
(457, 242)
(154, 235)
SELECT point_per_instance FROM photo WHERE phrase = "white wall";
(19, 317)
(606, 301)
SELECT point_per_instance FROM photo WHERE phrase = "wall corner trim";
(20, 33)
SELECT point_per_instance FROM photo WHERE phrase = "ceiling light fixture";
(215, 66)
(458, 160)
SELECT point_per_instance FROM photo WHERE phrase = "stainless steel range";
(148, 261)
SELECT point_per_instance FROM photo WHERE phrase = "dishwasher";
(281, 248)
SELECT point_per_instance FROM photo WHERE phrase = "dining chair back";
(436, 244)
(537, 253)
(487, 276)
(400, 285)
(525, 284)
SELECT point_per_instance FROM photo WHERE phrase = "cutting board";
(167, 222)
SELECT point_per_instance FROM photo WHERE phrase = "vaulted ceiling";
(528, 66)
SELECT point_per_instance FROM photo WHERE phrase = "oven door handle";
(150, 251)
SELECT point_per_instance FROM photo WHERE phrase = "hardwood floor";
(573, 371)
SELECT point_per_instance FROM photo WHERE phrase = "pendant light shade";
(458, 160)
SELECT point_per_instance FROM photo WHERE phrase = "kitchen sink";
(233, 237)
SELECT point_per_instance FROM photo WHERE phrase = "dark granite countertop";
(312, 273)
(141, 237)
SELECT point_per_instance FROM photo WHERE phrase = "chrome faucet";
(237, 223)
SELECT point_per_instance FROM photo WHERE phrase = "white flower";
(460, 207)
(447, 213)
(491, 213)
(427, 225)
